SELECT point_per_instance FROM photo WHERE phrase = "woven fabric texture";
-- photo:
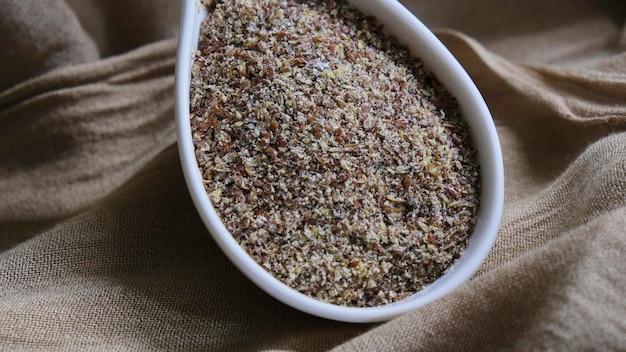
(101, 247)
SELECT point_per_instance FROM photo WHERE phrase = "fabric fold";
(75, 134)
(101, 247)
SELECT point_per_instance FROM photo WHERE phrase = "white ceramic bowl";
(399, 22)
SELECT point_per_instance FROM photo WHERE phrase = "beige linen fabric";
(102, 249)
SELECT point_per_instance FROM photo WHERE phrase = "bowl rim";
(406, 27)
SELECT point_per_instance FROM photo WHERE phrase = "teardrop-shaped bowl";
(403, 25)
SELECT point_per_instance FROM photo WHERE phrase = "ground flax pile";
(333, 157)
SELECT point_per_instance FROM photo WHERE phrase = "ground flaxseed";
(334, 158)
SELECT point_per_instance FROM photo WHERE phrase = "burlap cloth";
(102, 249)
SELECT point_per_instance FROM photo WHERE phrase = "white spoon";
(399, 22)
